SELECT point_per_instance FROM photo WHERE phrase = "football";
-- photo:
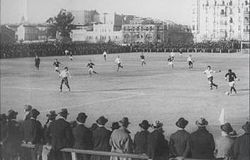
(227, 93)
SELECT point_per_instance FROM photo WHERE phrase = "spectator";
(202, 142)
(47, 135)
(12, 140)
(82, 136)
(32, 130)
(120, 140)
(179, 141)
(27, 109)
(61, 136)
(225, 142)
(3, 131)
(93, 127)
(141, 138)
(115, 125)
(101, 138)
(157, 144)
(241, 148)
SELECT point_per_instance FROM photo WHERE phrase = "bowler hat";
(102, 120)
(12, 114)
(124, 121)
(52, 114)
(157, 124)
(81, 117)
(226, 128)
(202, 122)
(27, 107)
(144, 124)
(246, 127)
(181, 123)
(115, 125)
(34, 113)
(63, 112)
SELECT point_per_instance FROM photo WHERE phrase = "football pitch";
(152, 92)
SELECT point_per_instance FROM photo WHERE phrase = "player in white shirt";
(190, 61)
(209, 73)
(172, 55)
(105, 55)
(64, 74)
(118, 61)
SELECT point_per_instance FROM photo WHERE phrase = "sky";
(38, 11)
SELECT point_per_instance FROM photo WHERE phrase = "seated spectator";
(179, 141)
(157, 144)
(120, 140)
(141, 138)
(241, 147)
(225, 142)
(202, 142)
(82, 136)
(101, 138)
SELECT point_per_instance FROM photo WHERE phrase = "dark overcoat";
(179, 144)
(141, 142)
(100, 139)
(241, 148)
(32, 131)
(202, 144)
(157, 146)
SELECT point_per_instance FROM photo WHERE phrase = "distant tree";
(61, 25)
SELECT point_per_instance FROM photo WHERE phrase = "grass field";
(153, 92)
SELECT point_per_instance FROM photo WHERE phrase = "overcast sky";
(179, 11)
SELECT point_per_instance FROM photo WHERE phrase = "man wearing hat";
(82, 136)
(32, 131)
(12, 140)
(47, 127)
(179, 141)
(141, 138)
(27, 109)
(115, 125)
(120, 139)
(241, 148)
(101, 138)
(61, 135)
(157, 144)
(225, 142)
(202, 144)
(3, 132)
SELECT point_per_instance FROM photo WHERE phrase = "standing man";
(61, 136)
(90, 65)
(57, 64)
(101, 138)
(157, 144)
(37, 62)
(82, 136)
(64, 75)
(120, 140)
(179, 141)
(202, 143)
(105, 55)
(27, 109)
(231, 77)
(118, 61)
(142, 59)
(141, 138)
(71, 55)
(209, 73)
(190, 61)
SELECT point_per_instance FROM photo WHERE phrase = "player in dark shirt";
(57, 64)
(37, 62)
(171, 61)
(142, 59)
(231, 77)
(90, 65)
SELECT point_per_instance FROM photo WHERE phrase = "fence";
(100, 153)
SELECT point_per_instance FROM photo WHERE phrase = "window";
(222, 12)
(223, 3)
(230, 3)
(246, 2)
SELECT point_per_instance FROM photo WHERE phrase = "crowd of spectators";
(57, 133)
(80, 48)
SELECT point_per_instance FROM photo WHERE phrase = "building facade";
(29, 32)
(215, 20)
